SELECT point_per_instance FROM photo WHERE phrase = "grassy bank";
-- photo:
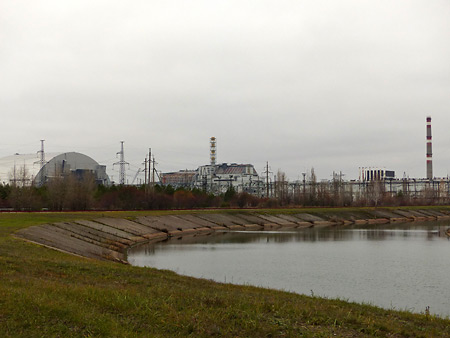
(48, 293)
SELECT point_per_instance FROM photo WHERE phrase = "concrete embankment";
(109, 238)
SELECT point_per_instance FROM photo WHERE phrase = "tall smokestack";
(429, 150)
(213, 153)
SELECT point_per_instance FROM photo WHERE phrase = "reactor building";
(32, 169)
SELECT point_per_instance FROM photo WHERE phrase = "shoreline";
(109, 238)
(51, 294)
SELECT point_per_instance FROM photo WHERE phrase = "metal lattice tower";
(429, 150)
(121, 164)
(41, 163)
(213, 151)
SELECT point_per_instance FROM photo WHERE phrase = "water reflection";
(399, 266)
(373, 233)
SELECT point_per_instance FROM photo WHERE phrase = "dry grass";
(45, 293)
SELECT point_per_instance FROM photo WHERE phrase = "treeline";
(71, 194)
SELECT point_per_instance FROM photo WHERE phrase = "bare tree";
(80, 192)
(56, 192)
(281, 188)
(312, 187)
(23, 195)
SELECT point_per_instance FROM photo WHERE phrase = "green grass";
(46, 293)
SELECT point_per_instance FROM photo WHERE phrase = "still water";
(404, 267)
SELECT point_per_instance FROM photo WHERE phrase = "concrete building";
(29, 169)
(179, 179)
(375, 174)
(218, 178)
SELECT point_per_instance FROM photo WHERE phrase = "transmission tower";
(267, 172)
(41, 162)
(121, 164)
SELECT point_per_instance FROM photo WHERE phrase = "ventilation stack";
(42, 162)
(429, 151)
(213, 153)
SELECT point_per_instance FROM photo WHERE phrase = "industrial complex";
(39, 169)
(372, 182)
(216, 178)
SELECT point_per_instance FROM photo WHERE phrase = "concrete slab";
(204, 230)
(271, 226)
(253, 227)
(299, 222)
(277, 220)
(435, 213)
(426, 213)
(421, 216)
(70, 234)
(155, 223)
(347, 222)
(196, 220)
(384, 214)
(304, 225)
(110, 230)
(309, 217)
(178, 223)
(156, 237)
(252, 218)
(236, 227)
(47, 236)
(320, 224)
(218, 219)
(186, 232)
(400, 219)
(289, 218)
(378, 221)
(404, 213)
(107, 236)
(236, 219)
(98, 238)
(125, 225)
(218, 228)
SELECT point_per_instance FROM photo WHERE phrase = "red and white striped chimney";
(429, 150)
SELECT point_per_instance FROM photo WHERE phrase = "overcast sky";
(333, 85)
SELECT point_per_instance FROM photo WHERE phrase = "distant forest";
(71, 194)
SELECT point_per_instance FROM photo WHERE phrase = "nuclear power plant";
(41, 168)
(217, 178)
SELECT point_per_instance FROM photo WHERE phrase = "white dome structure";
(27, 169)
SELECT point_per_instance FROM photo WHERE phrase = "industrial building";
(179, 179)
(218, 178)
(375, 174)
(39, 169)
